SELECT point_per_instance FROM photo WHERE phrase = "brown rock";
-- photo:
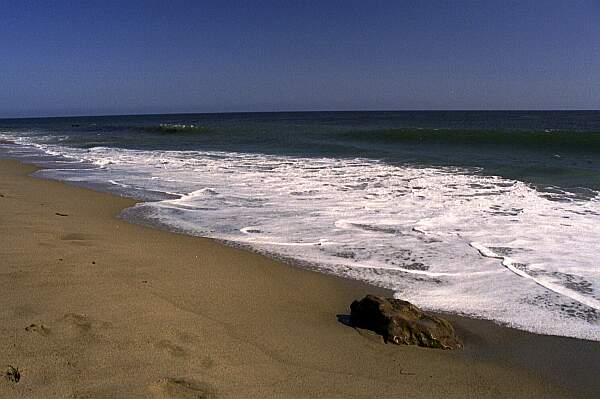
(403, 323)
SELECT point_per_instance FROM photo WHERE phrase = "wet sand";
(95, 307)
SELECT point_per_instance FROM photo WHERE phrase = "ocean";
(493, 215)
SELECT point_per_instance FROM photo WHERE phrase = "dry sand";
(95, 307)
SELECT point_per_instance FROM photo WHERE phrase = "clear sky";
(115, 57)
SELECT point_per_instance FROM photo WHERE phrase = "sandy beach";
(95, 307)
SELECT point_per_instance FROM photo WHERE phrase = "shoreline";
(125, 310)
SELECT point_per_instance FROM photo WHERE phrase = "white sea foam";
(444, 238)
(511, 264)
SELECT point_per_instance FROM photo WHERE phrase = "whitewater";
(445, 238)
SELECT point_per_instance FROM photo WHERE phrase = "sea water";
(489, 214)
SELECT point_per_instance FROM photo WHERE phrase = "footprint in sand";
(176, 350)
(38, 328)
(82, 325)
(207, 363)
(182, 388)
(195, 341)
(171, 348)
(79, 322)
(76, 237)
(93, 393)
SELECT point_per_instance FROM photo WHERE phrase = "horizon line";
(108, 115)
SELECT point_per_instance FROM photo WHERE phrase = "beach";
(451, 225)
(93, 306)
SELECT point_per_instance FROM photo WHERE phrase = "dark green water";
(542, 148)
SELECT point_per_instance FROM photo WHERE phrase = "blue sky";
(120, 57)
